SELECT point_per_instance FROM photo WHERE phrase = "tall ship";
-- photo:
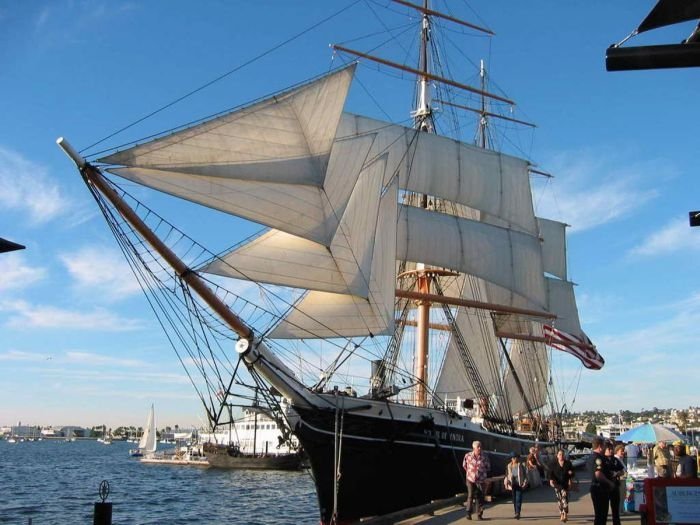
(398, 290)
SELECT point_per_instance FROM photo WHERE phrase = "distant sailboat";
(148, 442)
(106, 438)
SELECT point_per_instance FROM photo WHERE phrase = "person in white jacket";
(516, 481)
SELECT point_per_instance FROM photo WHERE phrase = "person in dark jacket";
(561, 477)
(616, 471)
(687, 466)
(601, 482)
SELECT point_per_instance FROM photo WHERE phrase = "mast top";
(71, 152)
(431, 12)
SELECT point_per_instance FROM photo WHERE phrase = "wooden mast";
(482, 111)
(415, 71)
(423, 122)
(424, 9)
(95, 178)
(470, 303)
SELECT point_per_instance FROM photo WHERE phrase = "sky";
(78, 344)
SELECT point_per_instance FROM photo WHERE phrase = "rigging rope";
(224, 75)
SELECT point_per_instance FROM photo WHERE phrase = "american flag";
(580, 347)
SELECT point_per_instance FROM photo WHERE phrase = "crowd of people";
(607, 468)
(519, 477)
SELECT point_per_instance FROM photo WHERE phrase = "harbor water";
(54, 481)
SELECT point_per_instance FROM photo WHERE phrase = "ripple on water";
(57, 482)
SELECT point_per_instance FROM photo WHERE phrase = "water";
(55, 481)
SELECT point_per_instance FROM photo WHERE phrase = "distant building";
(25, 431)
(71, 432)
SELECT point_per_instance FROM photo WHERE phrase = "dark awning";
(9, 246)
(668, 12)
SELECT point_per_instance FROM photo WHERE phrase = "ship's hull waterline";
(387, 464)
(219, 457)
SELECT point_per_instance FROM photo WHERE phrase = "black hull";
(220, 458)
(389, 465)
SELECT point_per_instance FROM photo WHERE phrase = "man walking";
(477, 466)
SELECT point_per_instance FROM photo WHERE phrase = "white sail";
(476, 329)
(553, 236)
(491, 182)
(505, 257)
(531, 365)
(149, 441)
(325, 186)
(321, 314)
(266, 162)
(561, 300)
(342, 264)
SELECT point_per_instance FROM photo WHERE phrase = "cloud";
(16, 274)
(26, 187)
(18, 355)
(42, 19)
(101, 270)
(595, 308)
(594, 190)
(87, 358)
(24, 315)
(653, 344)
(675, 236)
(101, 375)
(59, 27)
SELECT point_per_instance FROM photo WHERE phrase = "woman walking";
(561, 476)
(533, 468)
(516, 481)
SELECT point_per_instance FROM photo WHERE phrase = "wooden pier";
(539, 505)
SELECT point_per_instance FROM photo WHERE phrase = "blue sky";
(77, 343)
